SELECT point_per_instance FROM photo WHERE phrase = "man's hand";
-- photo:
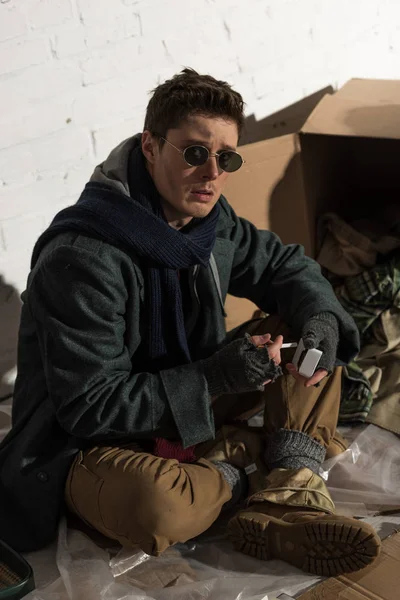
(322, 332)
(316, 378)
(273, 347)
(244, 365)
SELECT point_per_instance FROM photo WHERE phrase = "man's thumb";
(311, 340)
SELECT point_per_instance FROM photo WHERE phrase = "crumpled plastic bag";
(365, 479)
(213, 572)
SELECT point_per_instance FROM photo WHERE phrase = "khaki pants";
(137, 498)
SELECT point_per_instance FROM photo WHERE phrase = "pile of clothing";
(361, 258)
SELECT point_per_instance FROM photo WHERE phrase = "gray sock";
(237, 481)
(289, 449)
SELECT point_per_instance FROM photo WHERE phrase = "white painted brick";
(40, 195)
(257, 25)
(196, 42)
(69, 40)
(107, 138)
(64, 148)
(21, 233)
(26, 178)
(16, 164)
(72, 172)
(45, 13)
(62, 203)
(48, 195)
(95, 10)
(139, 3)
(268, 84)
(76, 150)
(110, 62)
(154, 56)
(29, 198)
(77, 175)
(35, 83)
(12, 22)
(366, 53)
(202, 58)
(16, 55)
(244, 84)
(70, 179)
(35, 120)
(99, 105)
(388, 16)
(103, 33)
(16, 270)
(128, 56)
(327, 28)
(180, 21)
(14, 266)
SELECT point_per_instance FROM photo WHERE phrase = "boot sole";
(320, 547)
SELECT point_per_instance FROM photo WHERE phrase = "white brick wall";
(12, 22)
(19, 54)
(75, 77)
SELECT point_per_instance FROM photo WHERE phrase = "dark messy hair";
(189, 93)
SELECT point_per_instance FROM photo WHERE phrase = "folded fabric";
(367, 295)
(348, 249)
(356, 396)
(373, 299)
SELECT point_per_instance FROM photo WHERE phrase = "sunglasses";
(196, 155)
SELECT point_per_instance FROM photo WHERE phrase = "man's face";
(186, 191)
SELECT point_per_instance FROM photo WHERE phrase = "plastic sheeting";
(366, 475)
(365, 479)
(196, 572)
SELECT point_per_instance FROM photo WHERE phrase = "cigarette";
(289, 345)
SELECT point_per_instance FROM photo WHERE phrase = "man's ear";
(149, 143)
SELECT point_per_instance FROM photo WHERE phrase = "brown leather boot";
(317, 542)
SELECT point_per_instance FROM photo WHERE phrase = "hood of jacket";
(114, 170)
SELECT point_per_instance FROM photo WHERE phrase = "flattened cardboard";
(287, 120)
(362, 107)
(268, 191)
(379, 581)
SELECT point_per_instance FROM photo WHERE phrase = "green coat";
(83, 377)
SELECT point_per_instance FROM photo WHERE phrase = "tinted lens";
(230, 161)
(196, 155)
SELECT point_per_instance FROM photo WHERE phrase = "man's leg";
(292, 516)
(140, 499)
(238, 408)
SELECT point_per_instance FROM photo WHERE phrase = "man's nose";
(211, 169)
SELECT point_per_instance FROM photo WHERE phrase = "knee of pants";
(162, 506)
(140, 499)
(179, 506)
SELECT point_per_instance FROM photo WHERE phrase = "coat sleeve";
(78, 300)
(280, 279)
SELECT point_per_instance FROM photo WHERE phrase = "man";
(129, 390)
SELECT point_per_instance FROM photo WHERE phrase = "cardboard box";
(263, 191)
(344, 159)
(349, 152)
(380, 581)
